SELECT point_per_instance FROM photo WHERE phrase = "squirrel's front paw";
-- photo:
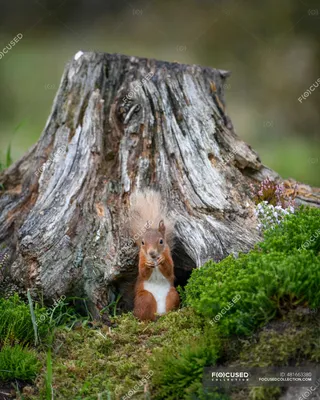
(149, 264)
(160, 260)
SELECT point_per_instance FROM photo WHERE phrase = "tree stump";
(119, 123)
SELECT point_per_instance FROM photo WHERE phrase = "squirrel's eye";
(142, 242)
(161, 241)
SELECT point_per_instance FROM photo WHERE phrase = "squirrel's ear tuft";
(162, 227)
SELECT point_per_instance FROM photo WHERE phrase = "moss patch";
(114, 360)
(19, 363)
(164, 359)
(291, 341)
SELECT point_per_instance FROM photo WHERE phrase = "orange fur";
(172, 300)
(145, 306)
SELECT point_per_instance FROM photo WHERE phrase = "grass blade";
(49, 388)
(8, 157)
(33, 318)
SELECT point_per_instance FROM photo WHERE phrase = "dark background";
(271, 47)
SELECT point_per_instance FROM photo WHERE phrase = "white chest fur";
(159, 286)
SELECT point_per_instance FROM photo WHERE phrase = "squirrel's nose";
(152, 253)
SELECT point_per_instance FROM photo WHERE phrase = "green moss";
(296, 337)
(265, 393)
(268, 281)
(298, 231)
(18, 363)
(291, 340)
(16, 324)
(114, 360)
(196, 391)
(176, 370)
(165, 359)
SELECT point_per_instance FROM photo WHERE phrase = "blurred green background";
(272, 49)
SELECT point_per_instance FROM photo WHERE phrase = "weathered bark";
(63, 227)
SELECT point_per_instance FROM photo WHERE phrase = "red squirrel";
(155, 293)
